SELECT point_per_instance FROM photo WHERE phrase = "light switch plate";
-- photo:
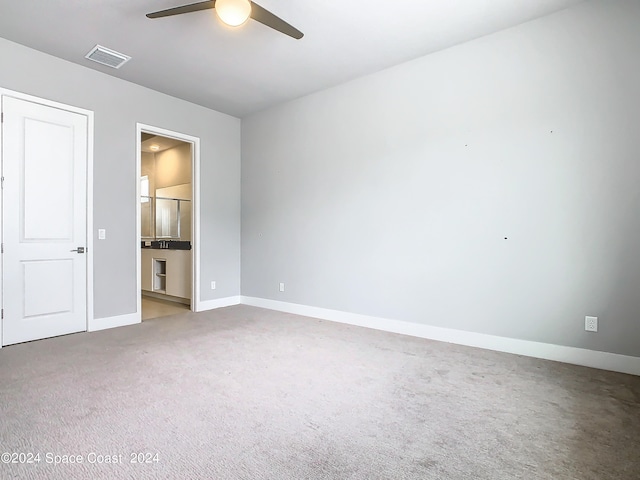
(102, 234)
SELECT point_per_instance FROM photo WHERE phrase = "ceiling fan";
(234, 13)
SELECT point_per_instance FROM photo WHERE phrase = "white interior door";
(44, 165)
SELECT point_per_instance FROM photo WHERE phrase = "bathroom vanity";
(167, 270)
(166, 245)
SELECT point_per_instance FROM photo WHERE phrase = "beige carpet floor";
(246, 393)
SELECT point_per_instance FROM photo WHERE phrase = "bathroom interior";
(166, 225)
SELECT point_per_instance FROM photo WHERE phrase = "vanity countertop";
(166, 244)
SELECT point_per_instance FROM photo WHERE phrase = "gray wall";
(118, 105)
(392, 195)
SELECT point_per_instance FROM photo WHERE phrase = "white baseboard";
(132, 318)
(112, 322)
(559, 353)
(217, 303)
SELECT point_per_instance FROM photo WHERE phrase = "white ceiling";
(247, 69)
(161, 143)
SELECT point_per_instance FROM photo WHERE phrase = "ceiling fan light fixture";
(233, 12)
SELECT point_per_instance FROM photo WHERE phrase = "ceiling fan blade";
(270, 20)
(194, 7)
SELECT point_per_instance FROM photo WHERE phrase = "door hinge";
(1, 182)
(2, 249)
(2, 117)
(2, 314)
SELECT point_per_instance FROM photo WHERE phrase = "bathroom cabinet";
(160, 275)
(167, 272)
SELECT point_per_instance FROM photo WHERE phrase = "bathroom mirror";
(146, 217)
(167, 218)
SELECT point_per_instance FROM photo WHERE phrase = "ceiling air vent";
(107, 57)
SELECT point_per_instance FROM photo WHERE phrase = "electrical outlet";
(213, 285)
(282, 287)
(591, 324)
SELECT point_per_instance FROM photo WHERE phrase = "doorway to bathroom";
(167, 222)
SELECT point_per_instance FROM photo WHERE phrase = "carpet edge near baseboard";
(561, 353)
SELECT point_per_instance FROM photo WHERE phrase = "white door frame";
(195, 210)
(89, 199)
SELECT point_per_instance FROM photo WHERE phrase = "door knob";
(79, 250)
